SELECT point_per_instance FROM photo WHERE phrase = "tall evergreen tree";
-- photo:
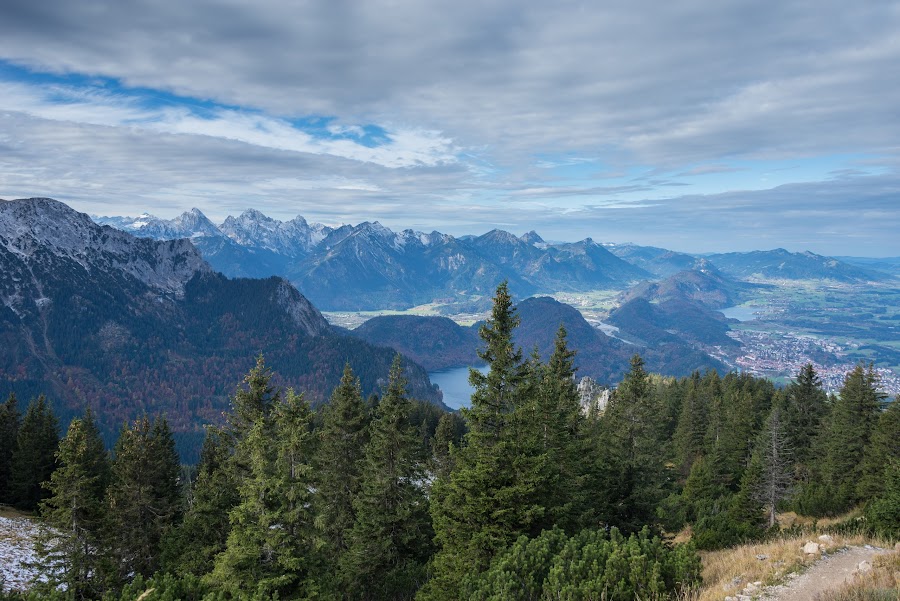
(690, 434)
(804, 415)
(559, 442)
(852, 420)
(390, 541)
(632, 450)
(144, 498)
(10, 420)
(883, 451)
(773, 465)
(251, 401)
(339, 460)
(34, 457)
(445, 436)
(193, 545)
(270, 547)
(485, 504)
(71, 544)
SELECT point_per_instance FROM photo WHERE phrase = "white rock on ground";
(17, 536)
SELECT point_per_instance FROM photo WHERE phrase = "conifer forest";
(527, 494)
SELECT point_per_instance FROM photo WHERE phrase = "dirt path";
(826, 574)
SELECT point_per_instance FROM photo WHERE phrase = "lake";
(741, 312)
(454, 383)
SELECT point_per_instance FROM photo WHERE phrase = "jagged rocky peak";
(292, 238)
(532, 237)
(194, 223)
(39, 232)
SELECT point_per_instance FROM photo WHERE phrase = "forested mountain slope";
(93, 316)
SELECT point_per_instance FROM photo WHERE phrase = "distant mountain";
(294, 238)
(368, 266)
(190, 224)
(703, 284)
(438, 343)
(887, 265)
(435, 343)
(658, 261)
(780, 264)
(93, 316)
(682, 307)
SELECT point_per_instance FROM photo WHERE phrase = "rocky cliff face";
(41, 236)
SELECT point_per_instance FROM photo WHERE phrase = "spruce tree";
(34, 458)
(773, 465)
(71, 545)
(806, 409)
(632, 451)
(852, 420)
(559, 442)
(441, 445)
(691, 431)
(10, 420)
(342, 442)
(192, 547)
(485, 504)
(390, 540)
(270, 549)
(883, 451)
(144, 498)
(251, 401)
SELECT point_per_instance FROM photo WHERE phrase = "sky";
(700, 126)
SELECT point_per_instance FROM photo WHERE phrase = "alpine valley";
(123, 312)
(784, 309)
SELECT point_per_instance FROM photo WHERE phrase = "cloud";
(462, 113)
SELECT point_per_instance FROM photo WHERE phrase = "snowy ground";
(17, 537)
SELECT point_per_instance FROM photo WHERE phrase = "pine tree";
(690, 433)
(342, 442)
(632, 451)
(71, 544)
(883, 450)
(192, 547)
(251, 401)
(484, 504)
(852, 420)
(269, 550)
(558, 432)
(390, 541)
(144, 498)
(34, 458)
(10, 420)
(441, 446)
(806, 409)
(773, 464)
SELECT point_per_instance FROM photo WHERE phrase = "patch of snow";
(17, 537)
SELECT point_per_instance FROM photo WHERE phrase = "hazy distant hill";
(94, 316)
(435, 343)
(887, 265)
(658, 261)
(681, 308)
(780, 264)
(704, 284)
(439, 343)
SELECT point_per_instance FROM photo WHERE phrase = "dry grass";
(881, 584)
(9, 512)
(728, 571)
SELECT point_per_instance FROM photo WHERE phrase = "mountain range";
(368, 266)
(93, 316)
